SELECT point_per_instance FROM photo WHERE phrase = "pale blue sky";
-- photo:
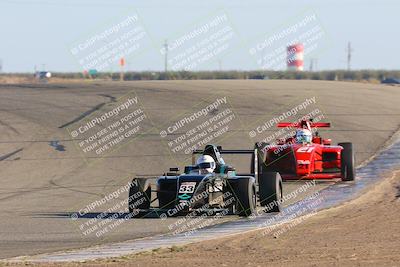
(44, 31)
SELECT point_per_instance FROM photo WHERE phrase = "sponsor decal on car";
(303, 162)
(187, 187)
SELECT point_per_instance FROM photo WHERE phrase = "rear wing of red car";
(300, 124)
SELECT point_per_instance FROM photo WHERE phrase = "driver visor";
(207, 165)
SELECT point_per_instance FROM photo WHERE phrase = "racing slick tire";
(260, 146)
(246, 200)
(139, 195)
(347, 166)
(270, 191)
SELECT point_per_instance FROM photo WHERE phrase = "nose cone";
(304, 157)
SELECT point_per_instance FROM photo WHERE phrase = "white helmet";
(206, 164)
(303, 136)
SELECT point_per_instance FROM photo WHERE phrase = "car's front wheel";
(270, 190)
(139, 195)
(246, 200)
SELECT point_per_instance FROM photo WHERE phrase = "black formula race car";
(195, 192)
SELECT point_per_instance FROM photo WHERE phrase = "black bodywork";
(193, 192)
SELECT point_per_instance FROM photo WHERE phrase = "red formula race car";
(305, 155)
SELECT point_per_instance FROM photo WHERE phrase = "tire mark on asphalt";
(10, 154)
(53, 183)
(83, 115)
(112, 98)
(90, 111)
(9, 127)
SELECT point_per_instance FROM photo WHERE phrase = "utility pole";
(349, 51)
(313, 64)
(1, 65)
(166, 57)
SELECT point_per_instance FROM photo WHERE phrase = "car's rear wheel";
(139, 195)
(270, 190)
(347, 166)
(246, 200)
(260, 146)
(166, 193)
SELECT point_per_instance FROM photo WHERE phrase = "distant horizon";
(198, 71)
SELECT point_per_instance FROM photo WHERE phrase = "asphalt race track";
(46, 177)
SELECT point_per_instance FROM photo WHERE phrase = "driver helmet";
(206, 164)
(303, 136)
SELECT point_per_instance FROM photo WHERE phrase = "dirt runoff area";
(363, 232)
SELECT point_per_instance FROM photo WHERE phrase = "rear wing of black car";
(252, 152)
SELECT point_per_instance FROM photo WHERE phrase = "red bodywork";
(317, 160)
